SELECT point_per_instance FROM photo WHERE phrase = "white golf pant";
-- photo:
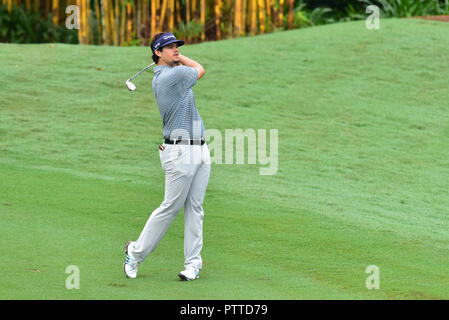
(187, 170)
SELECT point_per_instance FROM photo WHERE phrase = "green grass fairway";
(363, 176)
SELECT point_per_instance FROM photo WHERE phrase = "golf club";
(131, 86)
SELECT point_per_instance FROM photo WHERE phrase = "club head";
(131, 86)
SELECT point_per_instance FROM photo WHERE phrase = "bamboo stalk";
(203, 19)
(80, 4)
(244, 16)
(129, 31)
(99, 22)
(117, 22)
(112, 17)
(104, 22)
(146, 20)
(253, 12)
(80, 21)
(138, 18)
(217, 18)
(231, 15)
(85, 22)
(281, 13)
(237, 17)
(194, 13)
(153, 18)
(162, 15)
(89, 21)
(171, 15)
(187, 11)
(112, 23)
(269, 15)
(290, 13)
(107, 22)
(261, 5)
(55, 12)
(178, 13)
(122, 22)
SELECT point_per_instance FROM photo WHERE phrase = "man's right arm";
(193, 64)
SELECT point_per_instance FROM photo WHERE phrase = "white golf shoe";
(130, 265)
(189, 273)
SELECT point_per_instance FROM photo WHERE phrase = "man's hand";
(192, 63)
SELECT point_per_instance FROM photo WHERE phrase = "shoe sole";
(126, 252)
(124, 271)
(126, 246)
(126, 275)
(184, 278)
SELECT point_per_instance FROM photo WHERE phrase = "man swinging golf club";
(184, 156)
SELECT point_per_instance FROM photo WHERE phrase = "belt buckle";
(199, 141)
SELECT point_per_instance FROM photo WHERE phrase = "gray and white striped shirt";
(172, 87)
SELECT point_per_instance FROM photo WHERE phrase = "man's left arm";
(193, 64)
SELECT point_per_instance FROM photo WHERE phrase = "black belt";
(190, 141)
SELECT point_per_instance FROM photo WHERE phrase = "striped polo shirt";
(172, 87)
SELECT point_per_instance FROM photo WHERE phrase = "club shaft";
(141, 71)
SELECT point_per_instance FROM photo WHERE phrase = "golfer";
(184, 156)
